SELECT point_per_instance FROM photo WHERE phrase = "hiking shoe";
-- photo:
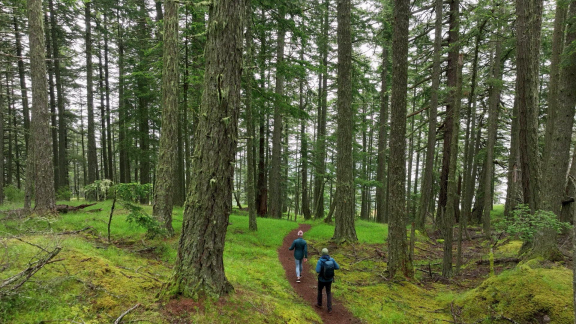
(329, 311)
(318, 306)
(298, 280)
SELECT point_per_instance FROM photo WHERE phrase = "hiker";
(300, 253)
(325, 269)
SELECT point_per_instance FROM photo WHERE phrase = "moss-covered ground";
(93, 281)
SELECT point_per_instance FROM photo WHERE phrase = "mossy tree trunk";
(199, 268)
(167, 158)
(399, 259)
(345, 190)
(560, 141)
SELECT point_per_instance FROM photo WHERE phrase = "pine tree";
(199, 268)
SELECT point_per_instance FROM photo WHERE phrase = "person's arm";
(318, 266)
(305, 250)
(292, 246)
(336, 266)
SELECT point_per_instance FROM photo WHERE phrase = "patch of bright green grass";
(96, 282)
(367, 232)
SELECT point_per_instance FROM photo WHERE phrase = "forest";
(157, 158)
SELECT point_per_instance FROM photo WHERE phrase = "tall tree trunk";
(381, 174)
(92, 157)
(303, 141)
(275, 171)
(427, 178)
(103, 139)
(122, 107)
(557, 47)
(262, 197)
(364, 187)
(469, 149)
(513, 189)
(399, 260)
(556, 167)
(62, 180)
(7, 117)
(452, 79)
(199, 268)
(251, 160)
(22, 76)
(319, 180)
(40, 129)
(345, 190)
(167, 163)
(53, 120)
(143, 99)
(450, 214)
(1, 146)
(493, 111)
(109, 163)
(528, 24)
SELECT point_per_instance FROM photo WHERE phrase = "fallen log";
(67, 208)
(497, 261)
(11, 284)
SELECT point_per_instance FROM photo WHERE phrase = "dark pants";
(328, 286)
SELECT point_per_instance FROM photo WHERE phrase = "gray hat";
(324, 251)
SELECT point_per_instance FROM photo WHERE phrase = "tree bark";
(493, 111)
(303, 140)
(381, 175)
(92, 157)
(143, 86)
(557, 165)
(320, 174)
(199, 268)
(528, 27)
(345, 190)
(275, 171)
(167, 163)
(399, 260)
(62, 180)
(1, 145)
(452, 79)
(557, 47)
(251, 160)
(40, 130)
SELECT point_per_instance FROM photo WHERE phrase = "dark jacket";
(323, 259)
(300, 248)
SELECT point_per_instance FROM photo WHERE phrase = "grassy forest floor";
(93, 281)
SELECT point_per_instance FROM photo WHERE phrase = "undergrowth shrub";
(525, 225)
(13, 194)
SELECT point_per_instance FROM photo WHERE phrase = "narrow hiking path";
(308, 287)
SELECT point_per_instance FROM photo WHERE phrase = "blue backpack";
(327, 270)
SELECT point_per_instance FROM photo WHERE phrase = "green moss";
(523, 295)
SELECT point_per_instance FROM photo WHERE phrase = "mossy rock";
(525, 295)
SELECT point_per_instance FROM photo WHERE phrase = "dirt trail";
(308, 287)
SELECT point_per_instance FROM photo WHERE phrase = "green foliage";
(525, 224)
(132, 192)
(99, 190)
(63, 193)
(138, 217)
(13, 194)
